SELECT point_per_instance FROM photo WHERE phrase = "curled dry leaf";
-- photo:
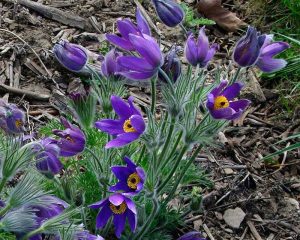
(213, 9)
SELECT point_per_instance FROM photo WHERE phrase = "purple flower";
(221, 103)
(126, 27)
(131, 178)
(48, 157)
(119, 207)
(199, 52)
(169, 12)
(72, 56)
(12, 118)
(109, 65)
(192, 236)
(85, 235)
(172, 66)
(145, 66)
(259, 50)
(127, 128)
(72, 139)
(266, 62)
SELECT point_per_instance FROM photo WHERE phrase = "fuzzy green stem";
(153, 95)
(32, 233)
(171, 173)
(179, 179)
(95, 157)
(184, 29)
(2, 183)
(168, 80)
(233, 80)
(167, 142)
(141, 155)
(5, 210)
(149, 221)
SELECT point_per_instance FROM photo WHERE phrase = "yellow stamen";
(19, 123)
(221, 102)
(133, 180)
(118, 209)
(127, 127)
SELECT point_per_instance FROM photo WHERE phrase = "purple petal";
(130, 163)
(126, 27)
(216, 91)
(112, 127)
(103, 216)
(138, 123)
(116, 199)
(134, 110)
(131, 205)
(147, 47)
(232, 91)
(210, 54)
(119, 222)
(122, 172)
(132, 220)
(137, 75)
(134, 64)
(210, 101)
(142, 23)
(120, 107)
(120, 42)
(122, 140)
(202, 44)
(274, 48)
(141, 173)
(222, 113)
(99, 204)
(269, 65)
(191, 51)
(120, 186)
(240, 104)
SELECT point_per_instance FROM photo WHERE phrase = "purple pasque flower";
(171, 66)
(266, 61)
(247, 50)
(221, 101)
(12, 119)
(128, 128)
(72, 139)
(199, 52)
(145, 66)
(119, 207)
(192, 236)
(126, 27)
(169, 12)
(72, 56)
(47, 158)
(109, 66)
(131, 178)
(85, 235)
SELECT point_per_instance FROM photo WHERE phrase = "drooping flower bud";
(171, 66)
(199, 52)
(248, 48)
(72, 56)
(169, 12)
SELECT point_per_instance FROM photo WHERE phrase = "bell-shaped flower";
(72, 56)
(199, 52)
(128, 128)
(192, 236)
(72, 139)
(109, 66)
(47, 159)
(169, 12)
(126, 27)
(12, 119)
(266, 61)
(131, 178)
(145, 66)
(171, 66)
(120, 208)
(221, 101)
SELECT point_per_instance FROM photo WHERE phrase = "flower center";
(133, 180)
(127, 127)
(118, 209)
(19, 123)
(70, 139)
(221, 102)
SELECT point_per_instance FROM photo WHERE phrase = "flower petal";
(122, 140)
(103, 216)
(131, 205)
(232, 91)
(126, 27)
(191, 50)
(202, 44)
(142, 23)
(116, 199)
(112, 127)
(274, 48)
(119, 222)
(121, 172)
(138, 123)
(137, 75)
(99, 204)
(120, 107)
(132, 220)
(130, 163)
(134, 63)
(240, 104)
(217, 90)
(269, 65)
(222, 113)
(120, 42)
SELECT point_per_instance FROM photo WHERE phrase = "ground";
(265, 195)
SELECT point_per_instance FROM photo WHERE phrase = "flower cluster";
(119, 205)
